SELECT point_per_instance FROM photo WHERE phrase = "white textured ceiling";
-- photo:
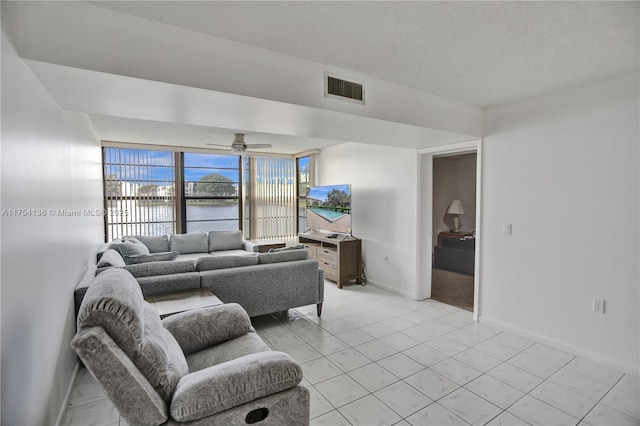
(482, 53)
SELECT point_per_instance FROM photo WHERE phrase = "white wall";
(50, 160)
(563, 170)
(384, 204)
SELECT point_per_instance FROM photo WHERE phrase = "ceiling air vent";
(344, 89)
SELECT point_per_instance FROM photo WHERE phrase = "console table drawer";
(331, 271)
(329, 257)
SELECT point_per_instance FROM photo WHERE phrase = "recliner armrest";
(226, 385)
(200, 328)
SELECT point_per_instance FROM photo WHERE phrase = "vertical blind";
(273, 197)
(140, 194)
(139, 188)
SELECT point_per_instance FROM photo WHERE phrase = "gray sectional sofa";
(223, 262)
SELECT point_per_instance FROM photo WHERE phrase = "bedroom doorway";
(428, 234)
(453, 229)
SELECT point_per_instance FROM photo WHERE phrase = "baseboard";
(391, 289)
(65, 403)
(599, 359)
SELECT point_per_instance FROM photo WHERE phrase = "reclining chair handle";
(257, 415)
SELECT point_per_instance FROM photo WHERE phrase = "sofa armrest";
(82, 287)
(229, 384)
(200, 328)
(250, 247)
(129, 390)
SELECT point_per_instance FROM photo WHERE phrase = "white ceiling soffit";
(116, 102)
(481, 53)
(137, 131)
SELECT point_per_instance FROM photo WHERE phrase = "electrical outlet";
(506, 229)
(598, 306)
(386, 258)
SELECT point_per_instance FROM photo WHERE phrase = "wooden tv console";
(340, 257)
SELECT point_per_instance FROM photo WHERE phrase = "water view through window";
(153, 192)
(212, 192)
(139, 188)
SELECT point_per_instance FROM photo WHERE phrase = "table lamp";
(456, 208)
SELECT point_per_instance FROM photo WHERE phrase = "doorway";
(453, 229)
(427, 235)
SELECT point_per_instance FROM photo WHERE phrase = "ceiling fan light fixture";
(238, 146)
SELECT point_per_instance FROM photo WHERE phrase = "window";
(272, 199)
(211, 192)
(154, 192)
(139, 190)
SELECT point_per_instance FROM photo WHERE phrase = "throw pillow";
(153, 257)
(111, 258)
(225, 240)
(132, 247)
(189, 243)
(154, 244)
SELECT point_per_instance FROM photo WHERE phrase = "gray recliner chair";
(201, 367)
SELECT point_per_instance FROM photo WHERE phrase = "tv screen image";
(329, 208)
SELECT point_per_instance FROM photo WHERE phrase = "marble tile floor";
(376, 358)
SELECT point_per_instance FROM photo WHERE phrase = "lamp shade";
(456, 207)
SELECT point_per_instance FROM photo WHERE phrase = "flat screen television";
(329, 208)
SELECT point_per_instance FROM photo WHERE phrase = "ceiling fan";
(239, 147)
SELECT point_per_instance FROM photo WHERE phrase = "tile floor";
(375, 358)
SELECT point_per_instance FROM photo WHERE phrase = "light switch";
(506, 229)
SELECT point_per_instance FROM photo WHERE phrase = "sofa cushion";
(114, 302)
(192, 256)
(227, 385)
(111, 258)
(111, 245)
(189, 243)
(223, 262)
(132, 247)
(224, 322)
(231, 253)
(153, 257)
(159, 357)
(283, 256)
(158, 284)
(248, 344)
(158, 244)
(161, 268)
(225, 240)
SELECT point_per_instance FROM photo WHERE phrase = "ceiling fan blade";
(259, 145)
(217, 144)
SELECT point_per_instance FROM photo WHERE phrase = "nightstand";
(450, 234)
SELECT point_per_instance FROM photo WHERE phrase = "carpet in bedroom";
(452, 288)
